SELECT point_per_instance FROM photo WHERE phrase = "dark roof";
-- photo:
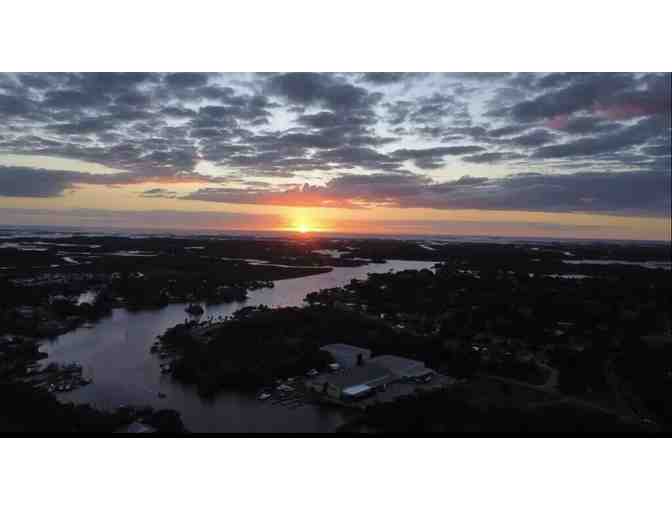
(366, 374)
(398, 365)
(346, 354)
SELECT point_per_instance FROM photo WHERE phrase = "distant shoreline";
(37, 230)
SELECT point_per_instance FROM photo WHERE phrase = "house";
(403, 368)
(347, 356)
(357, 382)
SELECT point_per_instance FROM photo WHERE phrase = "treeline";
(457, 412)
(29, 411)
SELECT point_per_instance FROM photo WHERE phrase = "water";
(115, 353)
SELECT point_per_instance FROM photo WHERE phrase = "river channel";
(115, 353)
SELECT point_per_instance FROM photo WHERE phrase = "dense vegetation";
(489, 310)
(259, 346)
(28, 411)
(460, 411)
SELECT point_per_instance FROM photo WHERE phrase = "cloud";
(321, 89)
(12, 105)
(185, 80)
(34, 182)
(159, 193)
(159, 128)
(533, 138)
(644, 130)
(388, 78)
(343, 191)
(582, 93)
(493, 157)
(197, 221)
(433, 157)
(645, 193)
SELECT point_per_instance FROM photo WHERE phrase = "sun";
(303, 223)
(303, 228)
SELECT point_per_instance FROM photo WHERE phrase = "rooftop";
(401, 367)
(368, 374)
(345, 354)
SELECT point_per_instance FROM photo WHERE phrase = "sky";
(578, 155)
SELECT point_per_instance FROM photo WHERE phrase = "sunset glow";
(397, 153)
(303, 228)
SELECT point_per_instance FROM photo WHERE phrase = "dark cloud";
(642, 192)
(344, 191)
(583, 92)
(178, 112)
(507, 130)
(645, 193)
(553, 80)
(74, 99)
(322, 89)
(652, 96)
(12, 105)
(398, 111)
(159, 193)
(435, 108)
(157, 127)
(479, 76)
(492, 157)
(33, 182)
(433, 157)
(657, 150)
(133, 99)
(388, 78)
(186, 80)
(90, 125)
(611, 142)
(193, 221)
(586, 125)
(352, 157)
(533, 138)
